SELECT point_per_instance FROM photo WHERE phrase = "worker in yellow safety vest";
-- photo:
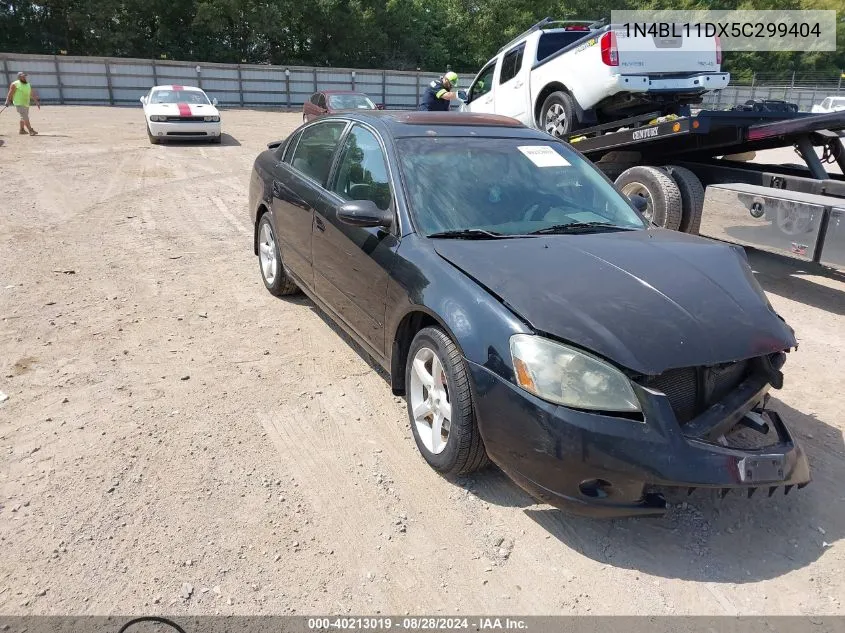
(21, 94)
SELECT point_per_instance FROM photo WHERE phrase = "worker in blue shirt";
(440, 92)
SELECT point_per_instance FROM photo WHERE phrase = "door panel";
(297, 189)
(481, 92)
(293, 216)
(511, 89)
(352, 264)
(351, 267)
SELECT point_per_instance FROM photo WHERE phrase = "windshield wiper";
(578, 227)
(470, 234)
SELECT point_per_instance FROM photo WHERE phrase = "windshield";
(350, 102)
(179, 96)
(509, 186)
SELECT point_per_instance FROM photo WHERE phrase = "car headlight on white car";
(213, 119)
(157, 118)
(569, 377)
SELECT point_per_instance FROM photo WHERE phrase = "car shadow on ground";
(303, 300)
(805, 283)
(225, 140)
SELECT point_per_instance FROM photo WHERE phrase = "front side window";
(511, 186)
(362, 169)
(314, 151)
(483, 84)
(511, 64)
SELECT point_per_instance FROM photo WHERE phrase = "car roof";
(178, 87)
(410, 123)
(343, 92)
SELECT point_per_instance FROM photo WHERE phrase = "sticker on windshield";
(543, 156)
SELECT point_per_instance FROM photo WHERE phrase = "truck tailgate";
(648, 54)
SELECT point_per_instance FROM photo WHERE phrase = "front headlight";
(569, 377)
(157, 118)
(213, 119)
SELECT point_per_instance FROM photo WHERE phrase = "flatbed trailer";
(696, 175)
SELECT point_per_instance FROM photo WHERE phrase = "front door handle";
(318, 222)
(518, 84)
(277, 189)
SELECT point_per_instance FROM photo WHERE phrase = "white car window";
(179, 96)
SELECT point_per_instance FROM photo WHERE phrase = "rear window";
(553, 41)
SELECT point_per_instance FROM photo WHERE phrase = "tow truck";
(696, 175)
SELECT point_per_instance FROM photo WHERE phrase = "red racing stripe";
(184, 109)
(178, 87)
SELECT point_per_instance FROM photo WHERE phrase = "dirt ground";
(176, 440)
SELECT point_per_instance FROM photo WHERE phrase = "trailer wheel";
(660, 191)
(558, 115)
(692, 197)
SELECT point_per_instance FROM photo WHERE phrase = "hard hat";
(452, 77)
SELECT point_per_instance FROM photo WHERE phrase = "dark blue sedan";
(528, 312)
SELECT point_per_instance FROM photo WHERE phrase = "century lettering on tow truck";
(646, 133)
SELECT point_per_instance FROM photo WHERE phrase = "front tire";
(440, 405)
(557, 117)
(273, 273)
(153, 140)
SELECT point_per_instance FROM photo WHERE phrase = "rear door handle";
(318, 222)
(518, 84)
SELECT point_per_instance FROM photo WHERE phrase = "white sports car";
(180, 112)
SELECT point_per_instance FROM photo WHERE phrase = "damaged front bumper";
(607, 466)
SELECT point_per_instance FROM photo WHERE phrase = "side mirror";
(462, 95)
(214, 102)
(364, 213)
(143, 100)
(640, 203)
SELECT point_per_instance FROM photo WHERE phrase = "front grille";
(691, 390)
(185, 119)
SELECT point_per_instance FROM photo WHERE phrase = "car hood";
(646, 300)
(181, 109)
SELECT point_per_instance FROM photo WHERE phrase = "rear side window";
(551, 43)
(315, 150)
(511, 64)
(290, 147)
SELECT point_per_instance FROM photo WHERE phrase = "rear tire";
(664, 197)
(692, 197)
(557, 116)
(436, 373)
(270, 263)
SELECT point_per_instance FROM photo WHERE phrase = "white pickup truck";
(561, 76)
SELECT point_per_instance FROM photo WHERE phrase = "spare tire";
(692, 197)
(659, 189)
